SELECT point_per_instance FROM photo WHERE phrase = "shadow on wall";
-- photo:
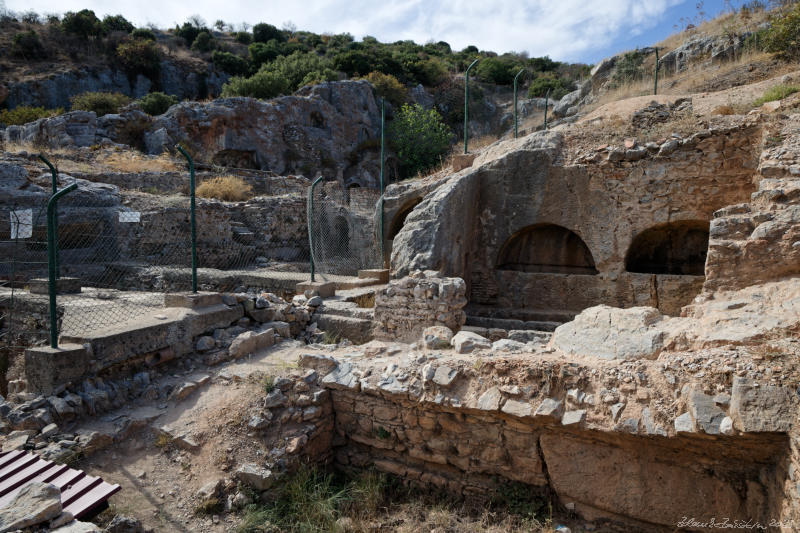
(678, 248)
(546, 248)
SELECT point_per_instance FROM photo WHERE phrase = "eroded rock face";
(319, 129)
(34, 504)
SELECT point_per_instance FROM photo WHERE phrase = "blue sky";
(566, 30)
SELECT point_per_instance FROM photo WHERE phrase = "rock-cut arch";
(400, 218)
(546, 248)
(674, 248)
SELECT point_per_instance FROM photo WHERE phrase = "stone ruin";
(616, 329)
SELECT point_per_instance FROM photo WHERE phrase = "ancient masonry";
(616, 330)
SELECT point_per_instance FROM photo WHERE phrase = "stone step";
(357, 330)
(520, 335)
(511, 324)
(345, 308)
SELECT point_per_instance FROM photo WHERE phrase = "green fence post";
(52, 246)
(191, 216)
(546, 100)
(310, 215)
(54, 174)
(466, 104)
(515, 102)
(383, 138)
(655, 83)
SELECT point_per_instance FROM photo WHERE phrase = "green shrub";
(140, 57)
(430, 71)
(778, 92)
(500, 71)
(783, 37)
(261, 53)
(144, 34)
(100, 103)
(27, 45)
(295, 69)
(157, 103)
(263, 32)
(316, 77)
(263, 84)
(31, 17)
(116, 23)
(629, 67)
(84, 24)
(24, 114)
(243, 37)
(230, 63)
(387, 86)
(538, 87)
(419, 137)
(190, 29)
(204, 42)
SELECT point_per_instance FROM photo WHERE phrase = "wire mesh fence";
(127, 249)
(344, 228)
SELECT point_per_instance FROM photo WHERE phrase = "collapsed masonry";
(617, 331)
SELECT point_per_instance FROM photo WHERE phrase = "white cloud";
(562, 29)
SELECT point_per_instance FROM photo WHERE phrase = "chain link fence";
(345, 229)
(127, 249)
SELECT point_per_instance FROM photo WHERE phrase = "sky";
(565, 30)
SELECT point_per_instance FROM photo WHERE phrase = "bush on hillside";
(387, 86)
(263, 32)
(116, 23)
(420, 138)
(84, 24)
(100, 103)
(190, 29)
(783, 37)
(497, 70)
(243, 37)
(315, 77)
(263, 84)
(225, 188)
(230, 63)
(157, 103)
(24, 114)
(144, 34)
(539, 87)
(261, 53)
(204, 42)
(140, 57)
(629, 67)
(27, 45)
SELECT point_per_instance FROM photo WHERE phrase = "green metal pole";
(383, 138)
(546, 100)
(466, 104)
(516, 133)
(655, 83)
(51, 259)
(54, 174)
(310, 215)
(192, 213)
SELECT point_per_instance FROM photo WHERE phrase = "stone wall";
(409, 305)
(463, 228)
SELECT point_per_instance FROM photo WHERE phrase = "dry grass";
(226, 188)
(132, 161)
(729, 22)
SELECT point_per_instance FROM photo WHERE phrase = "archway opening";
(674, 248)
(400, 218)
(546, 248)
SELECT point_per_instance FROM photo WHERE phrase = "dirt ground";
(160, 480)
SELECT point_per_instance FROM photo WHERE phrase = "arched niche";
(674, 248)
(546, 248)
(400, 218)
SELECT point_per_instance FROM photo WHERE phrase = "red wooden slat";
(25, 475)
(15, 466)
(80, 494)
(96, 496)
(78, 489)
(43, 477)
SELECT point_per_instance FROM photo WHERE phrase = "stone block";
(326, 289)
(63, 286)
(46, 368)
(378, 274)
(462, 161)
(191, 300)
